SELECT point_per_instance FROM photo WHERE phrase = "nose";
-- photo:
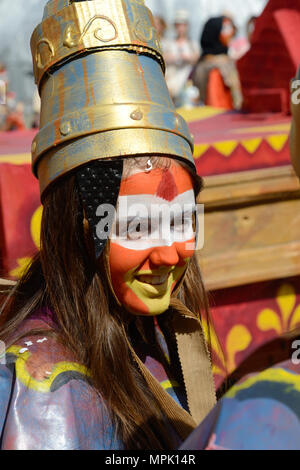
(164, 256)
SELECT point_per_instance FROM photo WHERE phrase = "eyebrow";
(129, 185)
(185, 210)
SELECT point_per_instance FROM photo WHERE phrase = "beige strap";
(180, 419)
(195, 362)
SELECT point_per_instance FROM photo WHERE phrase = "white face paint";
(148, 221)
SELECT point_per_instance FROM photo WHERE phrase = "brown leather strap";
(197, 374)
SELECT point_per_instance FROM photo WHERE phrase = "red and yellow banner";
(246, 317)
(227, 141)
(20, 203)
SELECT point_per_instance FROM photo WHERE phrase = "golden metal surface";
(106, 97)
(113, 144)
(96, 24)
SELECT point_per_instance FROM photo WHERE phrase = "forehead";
(163, 182)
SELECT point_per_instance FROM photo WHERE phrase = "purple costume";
(47, 401)
(261, 412)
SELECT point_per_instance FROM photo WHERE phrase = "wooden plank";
(249, 186)
(252, 228)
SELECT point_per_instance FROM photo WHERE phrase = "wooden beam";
(252, 227)
(249, 187)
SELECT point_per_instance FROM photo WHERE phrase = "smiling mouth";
(153, 280)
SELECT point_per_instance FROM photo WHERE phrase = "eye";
(137, 229)
(178, 223)
(184, 224)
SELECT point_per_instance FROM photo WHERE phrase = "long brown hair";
(64, 277)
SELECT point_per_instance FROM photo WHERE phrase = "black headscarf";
(210, 38)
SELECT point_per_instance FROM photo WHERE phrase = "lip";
(153, 279)
(161, 283)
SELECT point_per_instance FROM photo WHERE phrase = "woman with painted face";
(105, 348)
(216, 75)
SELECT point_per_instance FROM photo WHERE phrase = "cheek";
(122, 260)
(225, 39)
(185, 249)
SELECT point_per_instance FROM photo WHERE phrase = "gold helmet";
(100, 73)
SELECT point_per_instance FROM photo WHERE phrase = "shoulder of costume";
(40, 360)
(47, 401)
(274, 383)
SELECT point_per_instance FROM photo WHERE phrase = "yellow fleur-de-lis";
(211, 336)
(23, 264)
(288, 315)
(237, 340)
(35, 226)
(35, 230)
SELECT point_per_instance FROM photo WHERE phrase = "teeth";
(154, 280)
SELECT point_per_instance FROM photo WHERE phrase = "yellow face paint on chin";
(151, 289)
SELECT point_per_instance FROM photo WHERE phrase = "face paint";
(153, 238)
(227, 32)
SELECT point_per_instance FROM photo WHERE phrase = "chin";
(150, 310)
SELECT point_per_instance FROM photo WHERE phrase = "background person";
(216, 75)
(180, 55)
(240, 46)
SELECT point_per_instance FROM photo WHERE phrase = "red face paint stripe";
(148, 183)
(167, 188)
